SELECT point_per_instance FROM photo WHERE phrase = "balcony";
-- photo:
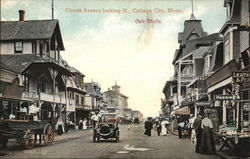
(44, 97)
(50, 98)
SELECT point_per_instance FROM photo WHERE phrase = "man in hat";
(198, 132)
(148, 126)
(95, 118)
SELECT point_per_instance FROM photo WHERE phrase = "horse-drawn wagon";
(27, 132)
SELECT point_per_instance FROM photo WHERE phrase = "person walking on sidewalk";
(148, 126)
(198, 132)
(158, 127)
(165, 127)
(207, 141)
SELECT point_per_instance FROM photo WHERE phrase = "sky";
(107, 40)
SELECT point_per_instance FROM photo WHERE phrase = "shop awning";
(183, 111)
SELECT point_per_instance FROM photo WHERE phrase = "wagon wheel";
(29, 139)
(48, 134)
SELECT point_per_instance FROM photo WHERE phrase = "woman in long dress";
(207, 141)
(163, 127)
(84, 124)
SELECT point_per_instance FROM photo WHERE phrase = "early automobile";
(107, 128)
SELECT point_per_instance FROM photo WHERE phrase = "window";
(41, 85)
(77, 99)
(227, 52)
(82, 100)
(207, 63)
(187, 70)
(41, 48)
(26, 83)
(34, 47)
(18, 47)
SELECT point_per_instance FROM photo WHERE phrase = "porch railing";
(45, 97)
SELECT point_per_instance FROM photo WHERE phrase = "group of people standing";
(162, 127)
(203, 127)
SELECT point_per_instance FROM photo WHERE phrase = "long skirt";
(207, 142)
(148, 132)
(163, 129)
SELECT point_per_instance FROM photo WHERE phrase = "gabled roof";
(19, 63)
(30, 30)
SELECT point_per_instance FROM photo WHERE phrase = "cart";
(26, 132)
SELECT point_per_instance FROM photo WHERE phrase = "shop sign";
(242, 78)
(246, 107)
(202, 103)
(226, 97)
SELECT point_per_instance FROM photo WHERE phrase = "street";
(133, 144)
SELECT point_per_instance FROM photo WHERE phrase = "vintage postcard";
(125, 79)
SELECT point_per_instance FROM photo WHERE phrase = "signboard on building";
(242, 78)
(246, 107)
(225, 97)
(203, 103)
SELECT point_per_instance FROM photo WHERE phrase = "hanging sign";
(225, 97)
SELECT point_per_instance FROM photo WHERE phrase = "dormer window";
(18, 47)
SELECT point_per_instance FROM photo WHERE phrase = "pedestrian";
(3, 127)
(167, 125)
(95, 118)
(180, 128)
(198, 132)
(148, 126)
(207, 141)
(164, 125)
(80, 124)
(158, 127)
(84, 124)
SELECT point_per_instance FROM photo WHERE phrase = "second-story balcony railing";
(44, 97)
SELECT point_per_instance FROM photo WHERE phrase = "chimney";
(21, 15)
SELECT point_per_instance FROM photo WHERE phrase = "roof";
(91, 90)
(112, 91)
(191, 26)
(235, 14)
(217, 57)
(167, 84)
(6, 67)
(30, 30)
(198, 53)
(193, 44)
(19, 62)
(74, 70)
(70, 83)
